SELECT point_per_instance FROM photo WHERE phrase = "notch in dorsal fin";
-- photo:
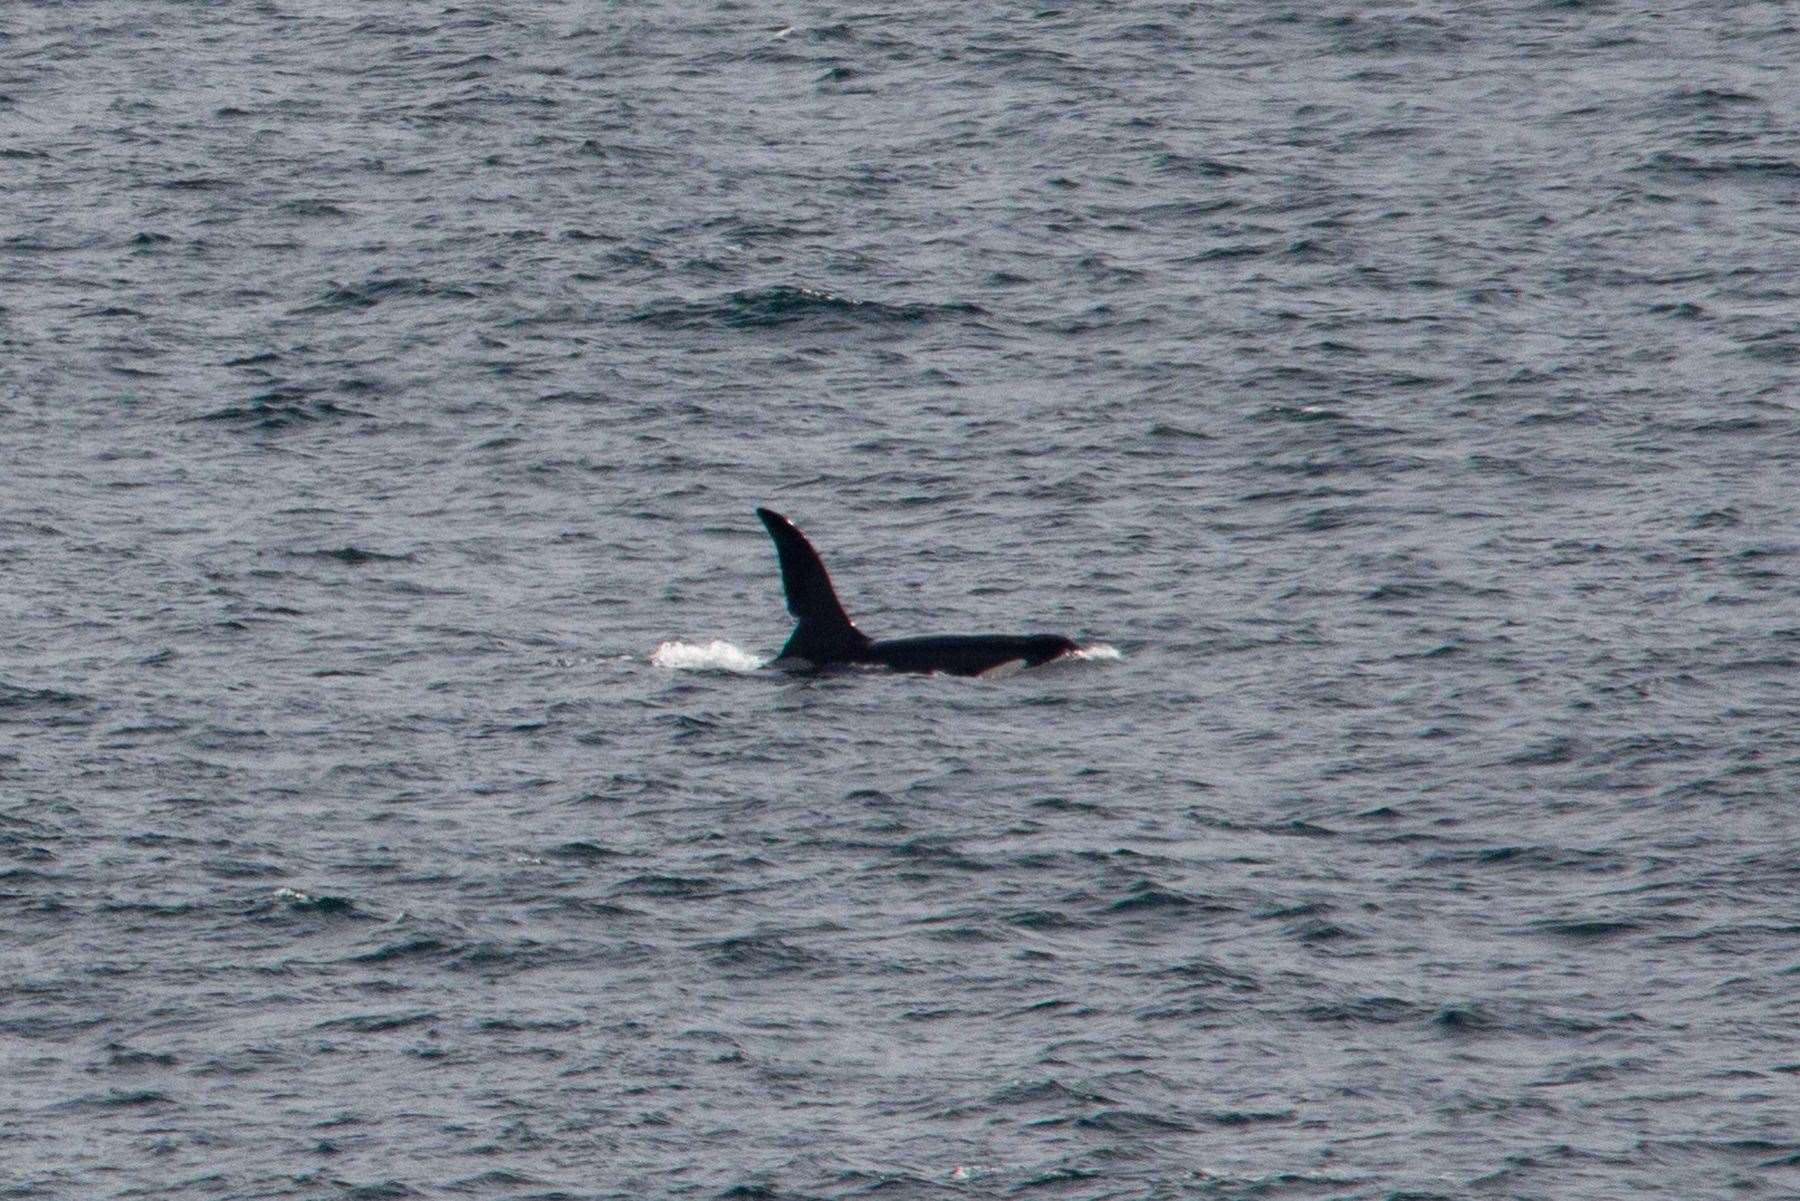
(825, 633)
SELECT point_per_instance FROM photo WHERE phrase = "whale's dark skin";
(826, 637)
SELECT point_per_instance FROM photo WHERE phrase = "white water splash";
(1100, 651)
(717, 655)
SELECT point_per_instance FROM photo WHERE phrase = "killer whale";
(824, 635)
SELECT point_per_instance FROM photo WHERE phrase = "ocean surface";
(1400, 401)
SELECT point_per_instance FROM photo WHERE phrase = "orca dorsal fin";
(825, 633)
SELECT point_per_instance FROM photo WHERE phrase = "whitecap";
(717, 655)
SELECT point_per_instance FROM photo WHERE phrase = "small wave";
(279, 409)
(355, 556)
(1752, 167)
(307, 902)
(342, 298)
(716, 655)
(11, 696)
(1099, 652)
(770, 308)
(313, 207)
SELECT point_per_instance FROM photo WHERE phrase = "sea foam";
(717, 655)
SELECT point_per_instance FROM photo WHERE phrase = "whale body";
(824, 635)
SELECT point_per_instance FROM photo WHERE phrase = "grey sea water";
(1402, 397)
